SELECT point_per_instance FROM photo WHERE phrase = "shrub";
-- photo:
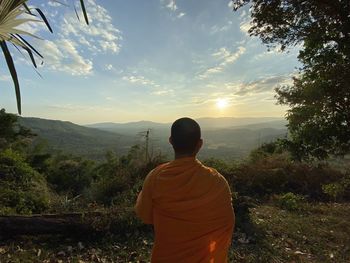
(70, 175)
(277, 175)
(338, 191)
(22, 189)
(290, 201)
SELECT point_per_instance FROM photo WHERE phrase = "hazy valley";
(228, 138)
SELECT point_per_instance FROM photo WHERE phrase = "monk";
(189, 204)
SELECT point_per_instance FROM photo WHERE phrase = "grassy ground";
(316, 233)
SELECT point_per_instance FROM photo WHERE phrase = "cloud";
(101, 36)
(163, 92)
(65, 51)
(172, 5)
(181, 15)
(5, 78)
(267, 84)
(216, 29)
(230, 4)
(109, 67)
(134, 79)
(225, 58)
(54, 4)
(62, 55)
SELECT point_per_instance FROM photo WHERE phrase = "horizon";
(263, 118)
(157, 61)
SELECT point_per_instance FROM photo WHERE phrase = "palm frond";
(84, 11)
(13, 73)
(13, 14)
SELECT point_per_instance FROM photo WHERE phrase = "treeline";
(35, 181)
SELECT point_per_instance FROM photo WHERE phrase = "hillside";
(224, 138)
(72, 138)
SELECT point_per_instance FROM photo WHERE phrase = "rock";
(69, 249)
(38, 254)
(80, 245)
(61, 254)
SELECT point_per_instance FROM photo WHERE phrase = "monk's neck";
(180, 156)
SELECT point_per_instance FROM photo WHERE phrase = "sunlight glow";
(222, 103)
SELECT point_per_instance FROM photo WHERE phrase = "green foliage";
(338, 191)
(290, 201)
(11, 133)
(319, 114)
(265, 150)
(70, 175)
(22, 189)
(276, 174)
(118, 180)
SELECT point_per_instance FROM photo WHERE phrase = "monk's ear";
(200, 144)
(170, 141)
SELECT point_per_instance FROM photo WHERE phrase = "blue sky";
(148, 60)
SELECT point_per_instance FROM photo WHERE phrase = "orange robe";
(190, 207)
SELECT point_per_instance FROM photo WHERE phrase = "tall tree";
(319, 99)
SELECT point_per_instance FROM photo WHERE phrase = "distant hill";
(72, 138)
(228, 138)
(205, 123)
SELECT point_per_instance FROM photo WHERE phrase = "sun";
(222, 103)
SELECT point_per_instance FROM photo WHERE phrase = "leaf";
(28, 9)
(45, 19)
(29, 45)
(76, 13)
(13, 72)
(84, 11)
(30, 53)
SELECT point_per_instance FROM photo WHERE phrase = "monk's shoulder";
(212, 172)
(156, 171)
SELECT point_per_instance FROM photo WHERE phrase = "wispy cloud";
(101, 36)
(134, 79)
(224, 57)
(172, 6)
(65, 51)
(217, 28)
(62, 55)
(109, 67)
(181, 15)
(162, 92)
(267, 84)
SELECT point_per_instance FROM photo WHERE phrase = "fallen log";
(67, 224)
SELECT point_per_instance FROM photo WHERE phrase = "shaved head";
(185, 135)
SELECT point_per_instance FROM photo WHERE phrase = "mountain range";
(228, 138)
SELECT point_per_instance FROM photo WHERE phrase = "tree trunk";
(66, 224)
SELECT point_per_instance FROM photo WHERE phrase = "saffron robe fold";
(190, 206)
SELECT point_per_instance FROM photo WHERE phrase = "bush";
(278, 175)
(290, 201)
(70, 175)
(22, 189)
(338, 191)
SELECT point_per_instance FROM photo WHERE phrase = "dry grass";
(319, 232)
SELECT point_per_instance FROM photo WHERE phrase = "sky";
(151, 60)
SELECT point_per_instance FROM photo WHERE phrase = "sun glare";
(222, 103)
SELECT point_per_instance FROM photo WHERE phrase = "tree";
(14, 13)
(11, 132)
(319, 99)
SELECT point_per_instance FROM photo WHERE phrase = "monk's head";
(186, 137)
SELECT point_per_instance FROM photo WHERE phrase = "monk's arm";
(144, 207)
